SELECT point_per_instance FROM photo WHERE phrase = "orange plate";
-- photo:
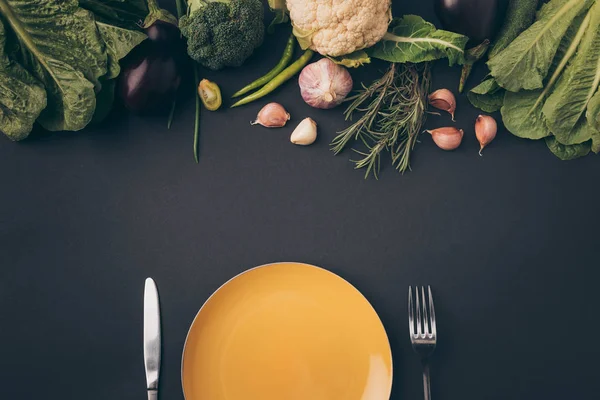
(287, 331)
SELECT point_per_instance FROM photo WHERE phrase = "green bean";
(288, 52)
(283, 76)
(197, 118)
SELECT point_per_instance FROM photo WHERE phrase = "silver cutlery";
(151, 338)
(423, 334)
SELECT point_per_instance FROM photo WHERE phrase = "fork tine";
(419, 330)
(426, 323)
(411, 318)
(432, 312)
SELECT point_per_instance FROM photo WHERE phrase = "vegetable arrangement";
(61, 64)
(545, 82)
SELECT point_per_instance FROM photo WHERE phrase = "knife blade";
(152, 338)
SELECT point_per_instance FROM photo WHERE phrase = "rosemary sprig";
(393, 112)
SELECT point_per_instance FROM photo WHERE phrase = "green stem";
(197, 119)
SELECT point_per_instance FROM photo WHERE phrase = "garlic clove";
(448, 138)
(305, 133)
(444, 100)
(485, 130)
(324, 84)
(272, 115)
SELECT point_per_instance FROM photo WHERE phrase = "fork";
(423, 336)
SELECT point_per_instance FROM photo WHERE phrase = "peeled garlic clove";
(448, 138)
(324, 84)
(485, 130)
(272, 115)
(444, 100)
(305, 133)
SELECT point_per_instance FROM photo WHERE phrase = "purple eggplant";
(149, 79)
(477, 19)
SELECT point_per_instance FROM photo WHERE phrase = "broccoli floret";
(222, 33)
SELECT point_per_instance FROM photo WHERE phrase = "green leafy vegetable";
(22, 97)
(565, 152)
(566, 106)
(123, 13)
(526, 61)
(519, 16)
(488, 96)
(522, 111)
(55, 53)
(64, 65)
(412, 39)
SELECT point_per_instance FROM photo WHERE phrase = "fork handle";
(426, 382)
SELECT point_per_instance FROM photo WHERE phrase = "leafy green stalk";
(280, 10)
(197, 113)
(474, 54)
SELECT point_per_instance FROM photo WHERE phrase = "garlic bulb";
(305, 133)
(485, 130)
(444, 100)
(272, 115)
(447, 138)
(324, 84)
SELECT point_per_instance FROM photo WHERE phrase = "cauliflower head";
(339, 27)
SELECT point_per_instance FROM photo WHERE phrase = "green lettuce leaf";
(568, 152)
(522, 111)
(593, 118)
(22, 97)
(62, 48)
(566, 105)
(412, 39)
(488, 96)
(527, 60)
(124, 13)
(119, 42)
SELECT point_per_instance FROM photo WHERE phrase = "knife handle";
(152, 394)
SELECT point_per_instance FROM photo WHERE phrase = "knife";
(151, 338)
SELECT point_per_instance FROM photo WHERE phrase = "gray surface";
(508, 242)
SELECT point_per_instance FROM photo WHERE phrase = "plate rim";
(187, 336)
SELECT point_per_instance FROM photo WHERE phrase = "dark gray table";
(508, 241)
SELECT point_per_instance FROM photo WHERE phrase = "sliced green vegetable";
(288, 52)
(519, 16)
(412, 39)
(353, 60)
(210, 94)
(565, 152)
(567, 104)
(487, 96)
(526, 61)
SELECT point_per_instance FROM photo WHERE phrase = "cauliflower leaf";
(412, 39)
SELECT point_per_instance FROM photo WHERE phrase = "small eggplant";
(149, 79)
(477, 19)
